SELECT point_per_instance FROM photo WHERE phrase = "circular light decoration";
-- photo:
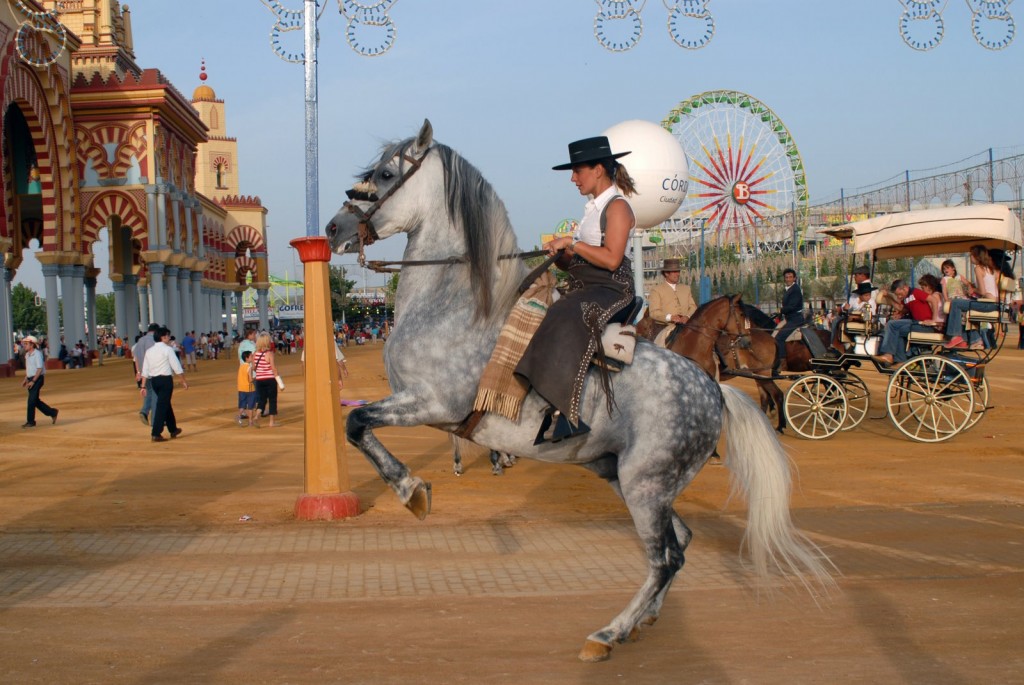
(29, 41)
(747, 179)
(992, 24)
(690, 24)
(921, 25)
(617, 25)
(370, 31)
(288, 20)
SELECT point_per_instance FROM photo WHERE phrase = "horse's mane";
(475, 209)
(702, 309)
(758, 318)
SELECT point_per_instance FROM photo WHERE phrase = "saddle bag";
(619, 342)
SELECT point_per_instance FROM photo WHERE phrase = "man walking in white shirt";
(159, 368)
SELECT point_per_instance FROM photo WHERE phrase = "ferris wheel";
(747, 180)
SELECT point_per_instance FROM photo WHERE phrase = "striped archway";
(247, 235)
(114, 203)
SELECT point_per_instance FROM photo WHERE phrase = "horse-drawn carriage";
(938, 392)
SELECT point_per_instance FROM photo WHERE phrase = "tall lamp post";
(327, 494)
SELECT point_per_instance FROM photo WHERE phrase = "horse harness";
(364, 191)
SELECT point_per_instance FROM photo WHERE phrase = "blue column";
(6, 315)
(121, 310)
(78, 297)
(197, 302)
(173, 301)
(156, 285)
(261, 299)
(90, 307)
(142, 310)
(50, 272)
(185, 301)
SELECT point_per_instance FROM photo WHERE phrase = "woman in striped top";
(264, 373)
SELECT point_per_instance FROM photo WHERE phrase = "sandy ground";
(927, 537)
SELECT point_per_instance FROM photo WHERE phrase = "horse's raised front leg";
(396, 410)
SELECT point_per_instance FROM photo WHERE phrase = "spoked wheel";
(980, 402)
(858, 400)
(930, 399)
(815, 407)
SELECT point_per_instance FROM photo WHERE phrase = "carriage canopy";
(934, 231)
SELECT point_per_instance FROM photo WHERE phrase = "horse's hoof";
(419, 502)
(634, 635)
(593, 652)
(651, 620)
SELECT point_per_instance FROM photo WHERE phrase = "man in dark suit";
(792, 311)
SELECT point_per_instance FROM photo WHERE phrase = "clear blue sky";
(509, 84)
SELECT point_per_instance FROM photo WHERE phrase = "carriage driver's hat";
(670, 265)
(589, 150)
(864, 289)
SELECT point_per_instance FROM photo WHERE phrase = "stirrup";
(560, 430)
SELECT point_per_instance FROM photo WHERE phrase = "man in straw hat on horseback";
(671, 302)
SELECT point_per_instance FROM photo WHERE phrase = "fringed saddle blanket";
(501, 391)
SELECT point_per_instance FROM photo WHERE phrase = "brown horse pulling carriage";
(932, 397)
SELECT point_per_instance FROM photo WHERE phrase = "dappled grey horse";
(459, 283)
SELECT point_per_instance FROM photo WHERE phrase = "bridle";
(368, 234)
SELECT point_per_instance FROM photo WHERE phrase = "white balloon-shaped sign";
(657, 165)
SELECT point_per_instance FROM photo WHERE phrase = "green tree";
(27, 315)
(105, 310)
(340, 287)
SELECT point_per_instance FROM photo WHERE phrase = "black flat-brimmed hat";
(589, 150)
(864, 289)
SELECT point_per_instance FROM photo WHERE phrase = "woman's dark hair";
(619, 176)
(950, 264)
(930, 281)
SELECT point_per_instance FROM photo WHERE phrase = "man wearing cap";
(35, 375)
(670, 301)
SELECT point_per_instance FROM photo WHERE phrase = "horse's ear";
(425, 137)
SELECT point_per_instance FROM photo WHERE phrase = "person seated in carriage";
(936, 300)
(861, 275)
(953, 284)
(986, 286)
(792, 311)
(600, 286)
(910, 306)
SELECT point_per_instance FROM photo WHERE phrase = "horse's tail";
(760, 469)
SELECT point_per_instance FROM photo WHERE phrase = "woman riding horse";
(600, 285)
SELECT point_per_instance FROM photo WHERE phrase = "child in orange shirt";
(246, 393)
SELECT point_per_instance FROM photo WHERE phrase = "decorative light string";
(370, 31)
(288, 20)
(34, 24)
(921, 25)
(991, 23)
(690, 24)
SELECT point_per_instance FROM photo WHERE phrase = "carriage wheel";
(980, 402)
(815, 407)
(858, 400)
(930, 399)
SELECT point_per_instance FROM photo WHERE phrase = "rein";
(368, 234)
(386, 267)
